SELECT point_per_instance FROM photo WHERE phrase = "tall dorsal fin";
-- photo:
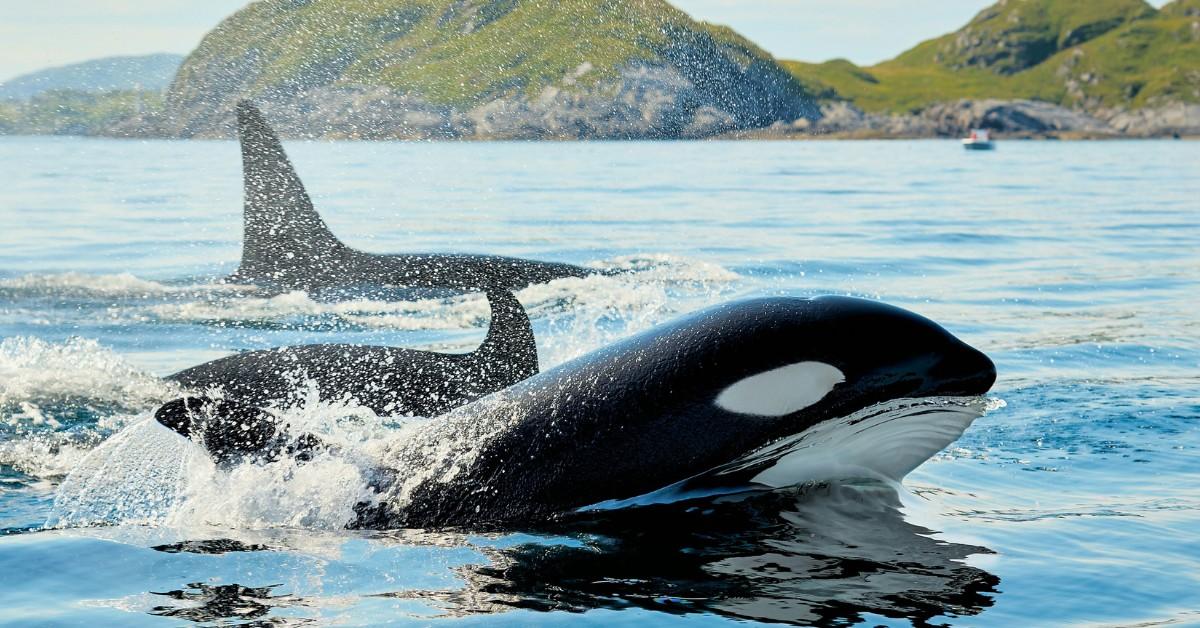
(510, 337)
(282, 230)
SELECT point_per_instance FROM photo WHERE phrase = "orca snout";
(963, 371)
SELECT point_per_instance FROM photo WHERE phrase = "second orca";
(388, 380)
(287, 246)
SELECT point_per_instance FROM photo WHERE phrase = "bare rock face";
(1012, 118)
(1016, 117)
(1176, 119)
(368, 113)
(841, 118)
(646, 102)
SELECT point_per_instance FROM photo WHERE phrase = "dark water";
(1075, 501)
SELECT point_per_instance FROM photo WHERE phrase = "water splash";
(645, 288)
(48, 383)
(135, 477)
(148, 474)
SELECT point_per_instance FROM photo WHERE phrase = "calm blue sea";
(1075, 265)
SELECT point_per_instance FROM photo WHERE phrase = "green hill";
(1089, 54)
(1012, 36)
(454, 56)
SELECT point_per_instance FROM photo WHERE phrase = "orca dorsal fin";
(282, 232)
(510, 337)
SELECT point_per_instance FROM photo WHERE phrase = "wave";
(669, 268)
(35, 374)
(77, 406)
(59, 400)
(644, 285)
(147, 474)
(580, 313)
(75, 284)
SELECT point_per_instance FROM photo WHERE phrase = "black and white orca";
(749, 395)
(388, 380)
(286, 245)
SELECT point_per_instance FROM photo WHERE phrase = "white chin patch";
(781, 391)
(884, 441)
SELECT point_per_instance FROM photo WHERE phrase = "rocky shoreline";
(1015, 119)
(646, 103)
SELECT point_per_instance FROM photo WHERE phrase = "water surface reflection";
(824, 555)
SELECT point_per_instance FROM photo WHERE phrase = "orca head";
(794, 358)
(778, 392)
(838, 386)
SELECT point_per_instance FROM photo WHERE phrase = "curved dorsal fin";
(510, 337)
(281, 228)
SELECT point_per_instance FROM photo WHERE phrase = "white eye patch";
(781, 391)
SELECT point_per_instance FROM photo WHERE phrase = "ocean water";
(1074, 501)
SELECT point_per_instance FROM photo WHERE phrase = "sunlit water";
(1076, 500)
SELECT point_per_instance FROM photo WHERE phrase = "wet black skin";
(389, 380)
(287, 246)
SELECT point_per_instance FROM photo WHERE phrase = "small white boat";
(979, 139)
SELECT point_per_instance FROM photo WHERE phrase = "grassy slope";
(1146, 62)
(448, 51)
(1009, 37)
(1150, 59)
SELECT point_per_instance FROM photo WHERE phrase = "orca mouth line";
(884, 441)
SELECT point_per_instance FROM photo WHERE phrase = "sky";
(57, 32)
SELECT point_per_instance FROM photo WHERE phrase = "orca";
(388, 380)
(746, 396)
(287, 246)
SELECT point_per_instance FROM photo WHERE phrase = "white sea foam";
(120, 284)
(621, 291)
(46, 455)
(669, 268)
(34, 373)
(429, 314)
(582, 313)
(58, 400)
